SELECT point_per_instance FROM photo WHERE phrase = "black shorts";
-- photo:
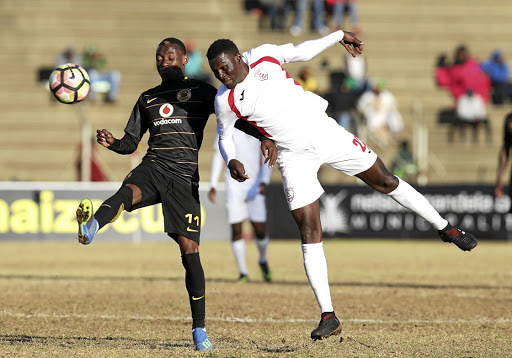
(180, 202)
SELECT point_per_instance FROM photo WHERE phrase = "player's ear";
(185, 59)
(238, 57)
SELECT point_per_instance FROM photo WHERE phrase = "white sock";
(262, 248)
(407, 196)
(238, 248)
(316, 270)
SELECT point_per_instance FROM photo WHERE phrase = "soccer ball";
(70, 83)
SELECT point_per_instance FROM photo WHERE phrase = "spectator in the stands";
(498, 71)
(277, 12)
(465, 73)
(271, 14)
(356, 68)
(307, 80)
(342, 105)
(458, 77)
(194, 67)
(69, 55)
(342, 8)
(95, 64)
(380, 111)
(472, 111)
(319, 25)
(403, 165)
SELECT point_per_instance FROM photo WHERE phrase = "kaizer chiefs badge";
(184, 95)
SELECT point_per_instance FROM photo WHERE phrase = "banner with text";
(360, 212)
(47, 211)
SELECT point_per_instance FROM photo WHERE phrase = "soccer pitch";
(395, 299)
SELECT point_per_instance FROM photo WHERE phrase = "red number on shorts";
(357, 141)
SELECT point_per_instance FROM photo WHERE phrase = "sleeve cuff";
(340, 34)
(114, 146)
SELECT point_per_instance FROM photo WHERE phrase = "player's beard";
(171, 73)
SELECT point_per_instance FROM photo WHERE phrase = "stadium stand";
(38, 139)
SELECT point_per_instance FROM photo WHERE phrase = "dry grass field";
(396, 299)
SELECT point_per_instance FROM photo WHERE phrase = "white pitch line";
(482, 320)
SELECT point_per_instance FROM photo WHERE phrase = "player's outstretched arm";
(104, 137)
(269, 151)
(306, 50)
(352, 44)
(237, 170)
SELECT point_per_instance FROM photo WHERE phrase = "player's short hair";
(221, 46)
(174, 41)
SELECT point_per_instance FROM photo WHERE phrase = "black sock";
(194, 281)
(111, 208)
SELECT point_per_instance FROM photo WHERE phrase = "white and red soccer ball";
(70, 83)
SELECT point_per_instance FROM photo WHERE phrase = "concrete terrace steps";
(403, 40)
(128, 39)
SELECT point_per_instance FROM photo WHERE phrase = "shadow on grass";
(259, 282)
(120, 342)
(277, 350)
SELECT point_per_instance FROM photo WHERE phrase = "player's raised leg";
(315, 264)
(89, 222)
(380, 179)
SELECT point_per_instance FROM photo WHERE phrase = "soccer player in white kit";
(245, 200)
(257, 89)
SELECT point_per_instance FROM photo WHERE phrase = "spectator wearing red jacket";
(464, 74)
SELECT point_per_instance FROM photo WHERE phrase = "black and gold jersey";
(175, 113)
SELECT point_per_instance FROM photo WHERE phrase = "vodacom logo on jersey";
(166, 110)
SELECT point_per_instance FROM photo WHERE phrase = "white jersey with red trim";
(269, 99)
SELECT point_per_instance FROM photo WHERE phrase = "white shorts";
(239, 209)
(337, 148)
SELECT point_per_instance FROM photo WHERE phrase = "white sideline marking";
(482, 320)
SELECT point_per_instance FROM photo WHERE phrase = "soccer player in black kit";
(175, 113)
(503, 157)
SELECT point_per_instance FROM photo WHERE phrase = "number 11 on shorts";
(191, 219)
